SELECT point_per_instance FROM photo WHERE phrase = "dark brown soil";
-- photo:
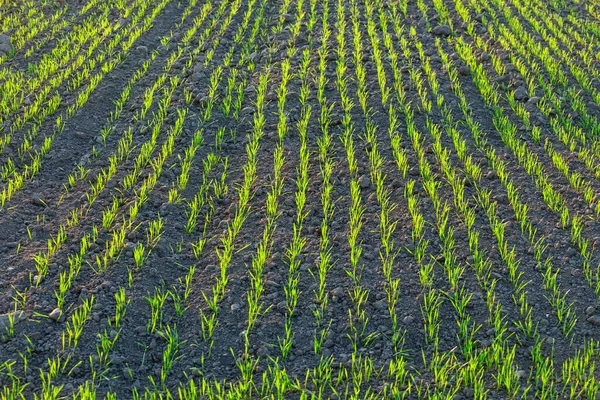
(43, 206)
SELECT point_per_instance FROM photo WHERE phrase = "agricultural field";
(299, 199)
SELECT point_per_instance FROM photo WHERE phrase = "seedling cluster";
(358, 199)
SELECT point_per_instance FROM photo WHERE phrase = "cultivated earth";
(298, 199)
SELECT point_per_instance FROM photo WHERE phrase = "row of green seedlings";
(70, 339)
(577, 222)
(62, 364)
(17, 82)
(550, 96)
(18, 180)
(81, 172)
(24, 32)
(575, 180)
(521, 215)
(508, 131)
(473, 374)
(219, 188)
(55, 69)
(100, 364)
(59, 27)
(320, 377)
(565, 313)
(432, 299)
(122, 153)
(499, 228)
(575, 378)
(294, 251)
(326, 167)
(209, 318)
(180, 300)
(441, 365)
(209, 323)
(556, 38)
(244, 192)
(322, 374)
(256, 307)
(97, 187)
(117, 240)
(252, 47)
(283, 13)
(361, 368)
(312, 22)
(219, 36)
(399, 377)
(387, 228)
(587, 121)
(156, 324)
(506, 377)
(109, 215)
(12, 16)
(203, 197)
(107, 339)
(212, 161)
(460, 298)
(230, 103)
(563, 309)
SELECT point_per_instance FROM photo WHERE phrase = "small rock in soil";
(38, 200)
(56, 314)
(533, 101)
(167, 208)
(5, 46)
(282, 306)
(590, 310)
(117, 359)
(408, 319)
(464, 70)
(593, 107)
(263, 351)
(521, 94)
(521, 374)
(381, 305)
(81, 135)
(442, 30)
(594, 320)
(337, 293)
(364, 182)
